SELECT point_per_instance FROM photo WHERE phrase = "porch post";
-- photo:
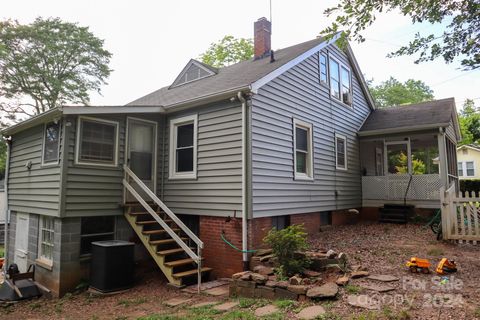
(442, 156)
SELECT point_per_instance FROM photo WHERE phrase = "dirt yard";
(382, 249)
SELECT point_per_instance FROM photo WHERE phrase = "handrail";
(166, 209)
(406, 191)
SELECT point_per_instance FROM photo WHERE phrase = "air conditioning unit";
(347, 98)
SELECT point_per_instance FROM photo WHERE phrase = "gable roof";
(470, 146)
(247, 75)
(425, 115)
(203, 70)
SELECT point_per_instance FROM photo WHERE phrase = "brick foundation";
(311, 221)
(342, 217)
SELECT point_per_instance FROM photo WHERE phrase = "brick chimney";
(262, 38)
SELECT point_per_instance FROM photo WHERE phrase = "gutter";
(244, 182)
(7, 213)
(401, 130)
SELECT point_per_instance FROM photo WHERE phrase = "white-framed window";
(322, 62)
(95, 229)
(470, 168)
(340, 81)
(183, 148)
(341, 152)
(51, 143)
(46, 239)
(97, 142)
(460, 169)
(303, 150)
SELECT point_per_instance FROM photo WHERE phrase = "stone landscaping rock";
(177, 301)
(359, 274)
(245, 284)
(334, 268)
(342, 257)
(283, 294)
(311, 274)
(263, 252)
(217, 291)
(363, 301)
(331, 254)
(312, 312)
(267, 257)
(378, 287)
(282, 284)
(342, 281)
(239, 275)
(383, 277)
(258, 278)
(263, 292)
(226, 306)
(264, 271)
(295, 280)
(266, 311)
(326, 291)
(298, 289)
(271, 283)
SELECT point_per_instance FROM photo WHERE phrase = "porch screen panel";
(397, 158)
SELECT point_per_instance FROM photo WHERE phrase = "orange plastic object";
(418, 265)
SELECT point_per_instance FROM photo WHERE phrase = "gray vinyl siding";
(298, 94)
(92, 190)
(35, 190)
(217, 189)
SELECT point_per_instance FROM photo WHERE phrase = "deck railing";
(197, 257)
(396, 187)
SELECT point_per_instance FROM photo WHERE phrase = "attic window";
(194, 70)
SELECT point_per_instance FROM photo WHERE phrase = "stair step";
(165, 241)
(149, 222)
(178, 263)
(170, 251)
(190, 272)
(138, 213)
(160, 231)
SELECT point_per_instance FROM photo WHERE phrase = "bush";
(470, 185)
(285, 244)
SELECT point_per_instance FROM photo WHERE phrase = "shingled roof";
(235, 77)
(437, 113)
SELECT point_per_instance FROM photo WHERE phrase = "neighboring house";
(3, 211)
(468, 157)
(285, 138)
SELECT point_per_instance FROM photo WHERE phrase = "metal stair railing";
(195, 256)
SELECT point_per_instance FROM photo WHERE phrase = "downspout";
(7, 213)
(244, 182)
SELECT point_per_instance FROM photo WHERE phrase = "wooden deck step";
(150, 222)
(190, 272)
(159, 231)
(180, 262)
(165, 241)
(138, 213)
(170, 251)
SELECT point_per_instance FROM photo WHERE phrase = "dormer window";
(194, 70)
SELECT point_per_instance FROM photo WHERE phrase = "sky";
(151, 41)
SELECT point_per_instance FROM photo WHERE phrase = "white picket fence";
(460, 215)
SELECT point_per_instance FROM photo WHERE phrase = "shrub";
(286, 244)
(470, 185)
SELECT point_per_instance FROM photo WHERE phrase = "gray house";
(291, 136)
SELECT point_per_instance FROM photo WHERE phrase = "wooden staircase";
(169, 242)
(395, 213)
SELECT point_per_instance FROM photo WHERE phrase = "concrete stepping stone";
(312, 312)
(363, 301)
(218, 291)
(383, 277)
(266, 310)
(226, 306)
(174, 302)
(204, 304)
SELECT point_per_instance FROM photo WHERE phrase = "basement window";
(303, 150)
(341, 152)
(97, 142)
(51, 143)
(46, 239)
(95, 229)
(183, 148)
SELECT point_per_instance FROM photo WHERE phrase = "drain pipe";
(7, 211)
(244, 182)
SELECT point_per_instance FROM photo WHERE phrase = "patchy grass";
(435, 252)
(395, 315)
(284, 304)
(2, 251)
(366, 316)
(132, 302)
(330, 316)
(477, 312)
(353, 289)
(239, 315)
(159, 317)
(246, 302)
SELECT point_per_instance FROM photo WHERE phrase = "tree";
(48, 63)
(395, 93)
(460, 38)
(228, 51)
(469, 119)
